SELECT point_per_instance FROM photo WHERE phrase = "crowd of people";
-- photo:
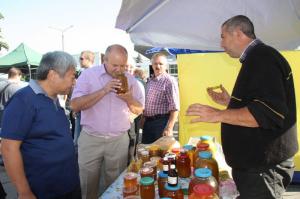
(45, 158)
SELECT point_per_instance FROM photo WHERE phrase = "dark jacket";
(264, 85)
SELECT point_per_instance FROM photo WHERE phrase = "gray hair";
(160, 54)
(243, 23)
(58, 61)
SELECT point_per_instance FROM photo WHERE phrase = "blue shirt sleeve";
(17, 119)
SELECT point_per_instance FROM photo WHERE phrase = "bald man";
(104, 141)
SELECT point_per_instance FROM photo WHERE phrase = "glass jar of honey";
(124, 83)
(130, 179)
(210, 140)
(130, 191)
(145, 156)
(153, 166)
(176, 151)
(203, 191)
(173, 192)
(147, 189)
(162, 180)
(157, 159)
(183, 165)
(190, 152)
(200, 147)
(203, 176)
(206, 160)
(147, 172)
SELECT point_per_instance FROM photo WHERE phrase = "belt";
(158, 116)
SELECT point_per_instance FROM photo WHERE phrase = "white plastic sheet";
(195, 24)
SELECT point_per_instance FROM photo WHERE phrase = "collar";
(250, 46)
(157, 78)
(37, 89)
(102, 70)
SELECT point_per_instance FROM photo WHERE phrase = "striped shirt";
(162, 95)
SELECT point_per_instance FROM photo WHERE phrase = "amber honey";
(130, 191)
(147, 189)
(130, 180)
(147, 172)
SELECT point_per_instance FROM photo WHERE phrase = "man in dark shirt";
(37, 146)
(259, 134)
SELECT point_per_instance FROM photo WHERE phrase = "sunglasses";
(81, 58)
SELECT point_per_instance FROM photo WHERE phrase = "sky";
(93, 22)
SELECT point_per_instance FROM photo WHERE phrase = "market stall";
(201, 158)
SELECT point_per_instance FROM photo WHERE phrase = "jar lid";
(207, 137)
(146, 170)
(202, 146)
(172, 188)
(175, 150)
(188, 147)
(145, 152)
(141, 149)
(130, 175)
(205, 154)
(203, 190)
(203, 172)
(146, 181)
(161, 174)
(150, 164)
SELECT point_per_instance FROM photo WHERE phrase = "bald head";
(115, 48)
(115, 59)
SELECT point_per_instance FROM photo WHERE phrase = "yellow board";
(196, 72)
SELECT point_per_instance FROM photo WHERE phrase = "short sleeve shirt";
(47, 148)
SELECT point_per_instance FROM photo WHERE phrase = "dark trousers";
(264, 183)
(153, 128)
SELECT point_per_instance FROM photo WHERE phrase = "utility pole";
(62, 34)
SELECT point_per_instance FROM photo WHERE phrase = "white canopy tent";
(195, 24)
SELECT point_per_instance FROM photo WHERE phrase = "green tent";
(23, 58)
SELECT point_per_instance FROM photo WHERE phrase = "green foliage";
(3, 44)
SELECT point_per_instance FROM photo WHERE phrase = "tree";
(3, 44)
(139, 59)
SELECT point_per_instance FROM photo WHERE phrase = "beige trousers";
(95, 152)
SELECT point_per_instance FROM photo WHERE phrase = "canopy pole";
(29, 71)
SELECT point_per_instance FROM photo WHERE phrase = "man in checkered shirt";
(162, 102)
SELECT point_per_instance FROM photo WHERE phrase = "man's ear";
(51, 74)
